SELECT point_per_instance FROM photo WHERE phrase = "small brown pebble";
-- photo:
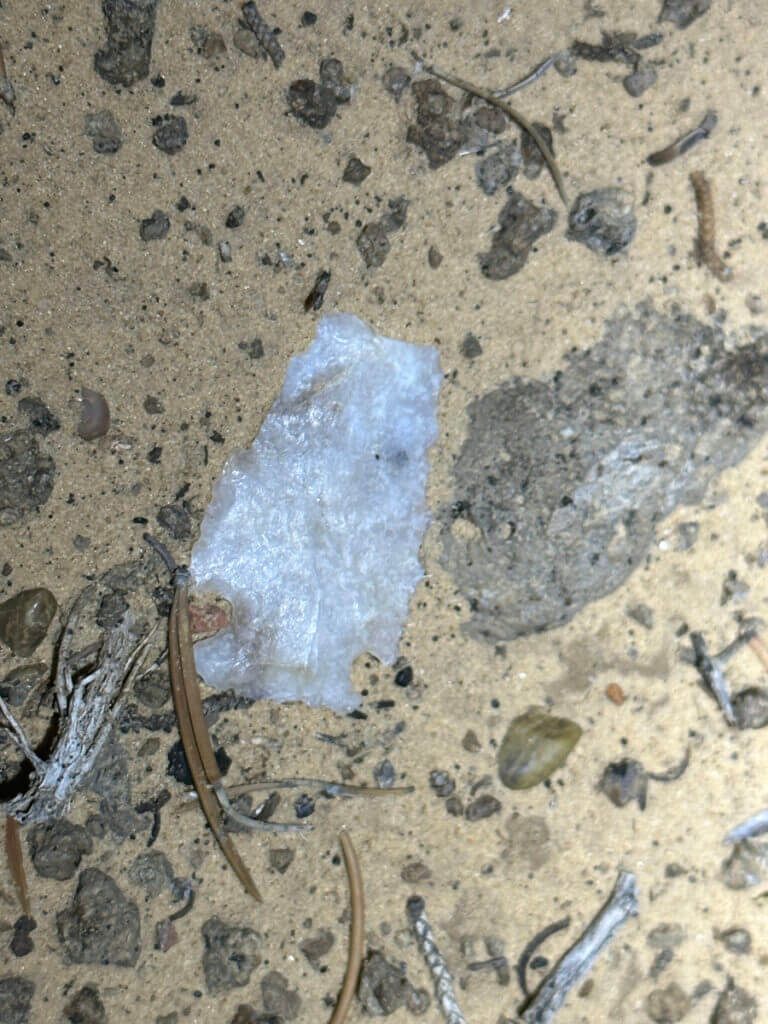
(206, 619)
(165, 935)
(415, 871)
(615, 693)
(667, 1005)
(281, 859)
(471, 741)
(95, 418)
(434, 257)
(483, 807)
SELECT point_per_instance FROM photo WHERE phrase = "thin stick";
(208, 801)
(711, 672)
(755, 825)
(684, 143)
(15, 857)
(356, 930)
(578, 960)
(529, 79)
(511, 112)
(326, 787)
(532, 946)
(705, 209)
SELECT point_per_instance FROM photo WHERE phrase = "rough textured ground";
(190, 350)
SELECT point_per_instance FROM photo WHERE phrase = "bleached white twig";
(86, 709)
(578, 960)
(755, 825)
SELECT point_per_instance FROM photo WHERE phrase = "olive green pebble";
(535, 746)
(25, 618)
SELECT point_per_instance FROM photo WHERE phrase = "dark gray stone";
(176, 520)
(278, 998)
(39, 415)
(57, 847)
(130, 25)
(104, 132)
(312, 102)
(734, 1006)
(624, 781)
(152, 871)
(603, 220)
(683, 13)
(100, 926)
(229, 956)
(383, 987)
(153, 689)
(640, 80)
(86, 1007)
(521, 224)
(153, 228)
(20, 682)
(26, 476)
(561, 483)
(15, 999)
(355, 172)
(498, 168)
(170, 134)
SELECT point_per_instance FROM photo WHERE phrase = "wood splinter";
(705, 243)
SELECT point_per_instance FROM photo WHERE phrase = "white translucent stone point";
(313, 533)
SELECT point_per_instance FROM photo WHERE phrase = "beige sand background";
(138, 332)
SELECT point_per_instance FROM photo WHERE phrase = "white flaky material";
(313, 533)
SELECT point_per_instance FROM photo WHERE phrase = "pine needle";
(15, 857)
(356, 930)
(513, 114)
(186, 694)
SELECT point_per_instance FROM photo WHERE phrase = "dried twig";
(531, 947)
(578, 960)
(684, 143)
(86, 705)
(533, 76)
(330, 789)
(15, 858)
(756, 825)
(438, 968)
(705, 208)
(356, 930)
(711, 671)
(511, 112)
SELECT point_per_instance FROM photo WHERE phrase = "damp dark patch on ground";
(561, 482)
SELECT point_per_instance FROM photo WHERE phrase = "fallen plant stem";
(356, 930)
(711, 671)
(511, 112)
(755, 825)
(88, 698)
(578, 960)
(15, 857)
(327, 788)
(531, 947)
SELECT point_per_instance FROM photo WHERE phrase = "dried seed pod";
(95, 417)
